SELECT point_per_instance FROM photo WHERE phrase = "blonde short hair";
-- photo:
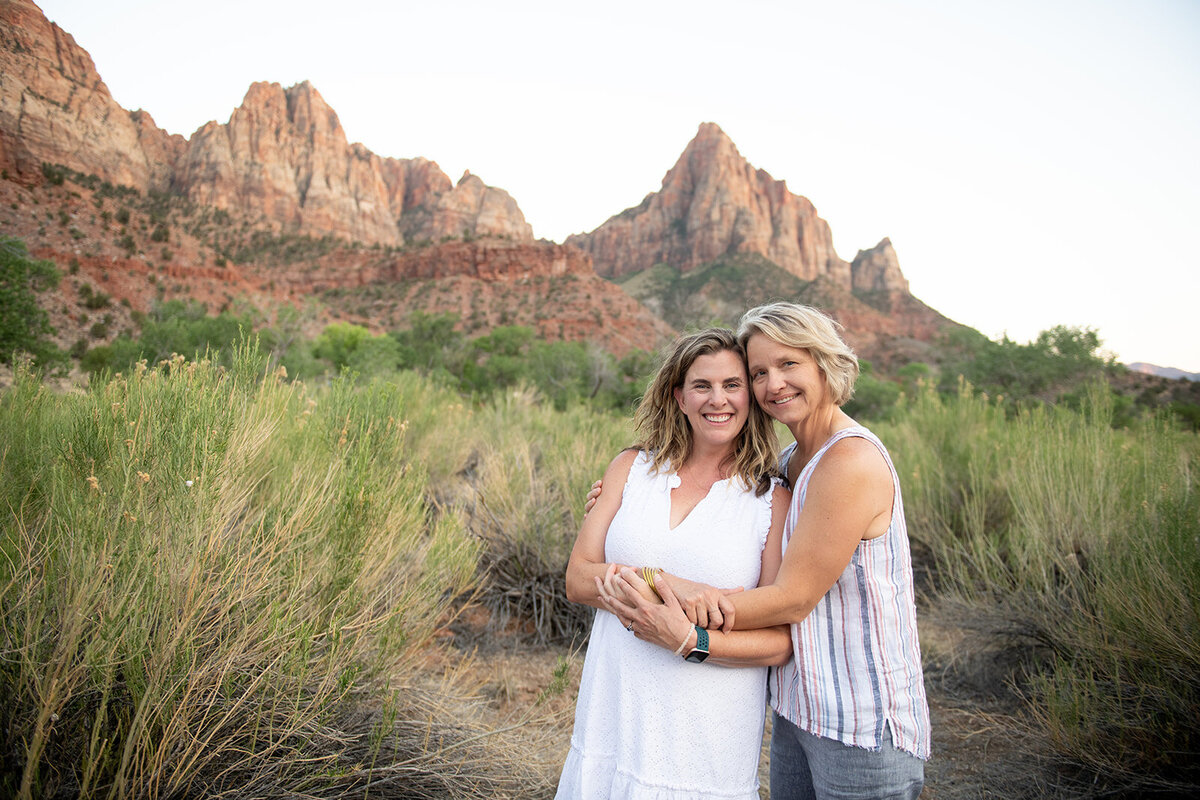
(806, 328)
(663, 429)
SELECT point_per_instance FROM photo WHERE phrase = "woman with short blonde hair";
(806, 328)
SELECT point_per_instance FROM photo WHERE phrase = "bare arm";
(668, 626)
(849, 498)
(587, 556)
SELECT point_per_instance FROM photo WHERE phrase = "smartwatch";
(700, 651)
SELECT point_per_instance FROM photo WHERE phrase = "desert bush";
(174, 327)
(1058, 361)
(218, 581)
(524, 500)
(24, 324)
(1079, 543)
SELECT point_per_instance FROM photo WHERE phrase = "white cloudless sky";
(1034, 162)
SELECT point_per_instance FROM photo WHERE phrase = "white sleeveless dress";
(649, 725)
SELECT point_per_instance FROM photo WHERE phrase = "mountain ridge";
(282, 175)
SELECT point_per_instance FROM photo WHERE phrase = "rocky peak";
(54, 107)
(282, 158)
(412, 183)
(284, 153)
(471, 209)
(878, 269)
(713, 203)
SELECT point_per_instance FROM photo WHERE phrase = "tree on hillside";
(175, 326)
(432, 345)
(1056, 363)
(24, 325)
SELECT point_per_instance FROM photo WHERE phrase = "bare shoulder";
(618, 469)
(780, 496)
(853, 482)
(853, 461)
(623, 461)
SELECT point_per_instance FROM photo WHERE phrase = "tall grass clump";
(216, 582)
(525, 487)
(1078, 544)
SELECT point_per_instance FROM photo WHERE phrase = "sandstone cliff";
(284, 153)
(282, 159)
(270, 205)
(55, 108)
(549, 288)
(471, 209)
(877, 270)
(713, 203)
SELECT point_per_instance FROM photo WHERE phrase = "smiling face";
(787, 382)
(715, 398)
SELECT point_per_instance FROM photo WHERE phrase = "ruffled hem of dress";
(586, 778)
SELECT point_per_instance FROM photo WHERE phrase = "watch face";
(696, 656)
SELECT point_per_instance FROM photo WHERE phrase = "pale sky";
(1033, 161)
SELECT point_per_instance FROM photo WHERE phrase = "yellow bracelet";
(648, 575)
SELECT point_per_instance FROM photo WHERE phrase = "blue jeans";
(809, 767)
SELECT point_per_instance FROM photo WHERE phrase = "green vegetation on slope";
(24, 325)
(715, 293)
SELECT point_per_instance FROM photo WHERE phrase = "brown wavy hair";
(664, 432)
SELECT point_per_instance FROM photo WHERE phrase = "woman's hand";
(706, 606)
(592, 494)
(641, 587)
(663, 624)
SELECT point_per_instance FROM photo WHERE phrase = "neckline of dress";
(673, 482)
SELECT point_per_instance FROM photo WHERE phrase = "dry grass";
(216, 583)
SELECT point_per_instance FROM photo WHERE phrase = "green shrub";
(54, 174)
(174, 327)
(210, 581)
(25, 325)
(1078, 544)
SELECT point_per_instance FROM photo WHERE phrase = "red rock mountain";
(54, 108)
(284, 153)
(265, 194)
(714, 204)
(279, 169)
(283, 157)
(877, 270)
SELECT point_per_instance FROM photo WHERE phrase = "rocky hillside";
(714, 204)
(282, 159)
(276, 206)
(284, 155)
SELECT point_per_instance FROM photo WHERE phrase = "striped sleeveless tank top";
(856, 663)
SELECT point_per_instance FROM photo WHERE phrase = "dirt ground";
(974, 749)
